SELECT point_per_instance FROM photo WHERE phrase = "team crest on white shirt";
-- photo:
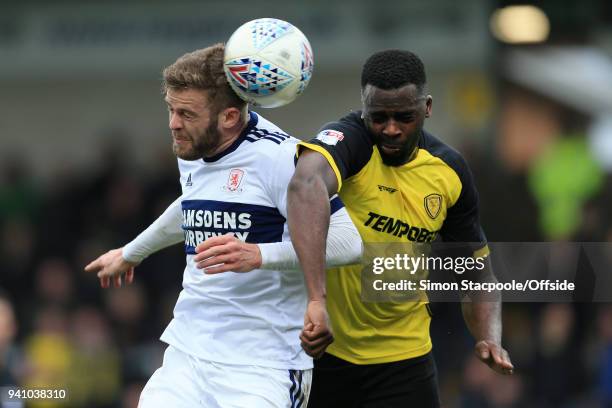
(234, 180)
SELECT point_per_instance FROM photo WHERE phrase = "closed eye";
(378, 118)
(404, 117)
(189, 115)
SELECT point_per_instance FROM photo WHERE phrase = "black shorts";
(336, 383)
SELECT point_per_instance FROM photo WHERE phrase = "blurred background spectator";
(525, 93)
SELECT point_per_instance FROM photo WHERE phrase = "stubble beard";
(406, 152)
(403, 155)
(202, 146)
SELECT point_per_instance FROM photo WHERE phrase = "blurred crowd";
(60, 330)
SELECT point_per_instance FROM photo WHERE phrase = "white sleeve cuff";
(344, 246)
(278, 256)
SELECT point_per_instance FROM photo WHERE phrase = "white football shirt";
(249, 318)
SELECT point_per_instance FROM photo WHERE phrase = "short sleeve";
(462, 223)
(345, 144)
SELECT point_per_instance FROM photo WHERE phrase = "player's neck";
(228, 137)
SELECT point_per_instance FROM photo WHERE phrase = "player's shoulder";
(267, 139)
(346, 142)
(264, 130)
(444, 152)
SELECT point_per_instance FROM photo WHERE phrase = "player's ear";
(428, 105)
(229, 117)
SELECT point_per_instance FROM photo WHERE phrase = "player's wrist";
(131, 262)
(256, 256)
(488, 341)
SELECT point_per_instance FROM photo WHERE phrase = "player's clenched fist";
(112, 265)
(317, 334)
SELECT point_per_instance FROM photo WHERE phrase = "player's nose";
(392, 129)
(175, 121)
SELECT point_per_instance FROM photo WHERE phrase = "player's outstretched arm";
(482, 315)
(162, 233)
(308, 217)
(226, 253)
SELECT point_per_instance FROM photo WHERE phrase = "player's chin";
(184, 150)
(393, 159)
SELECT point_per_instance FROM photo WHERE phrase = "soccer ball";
(268, 62)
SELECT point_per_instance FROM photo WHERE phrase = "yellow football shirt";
(430, 197)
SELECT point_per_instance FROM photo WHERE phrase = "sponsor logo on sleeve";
(330, 137)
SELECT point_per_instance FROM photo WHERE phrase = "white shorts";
(187, 381)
